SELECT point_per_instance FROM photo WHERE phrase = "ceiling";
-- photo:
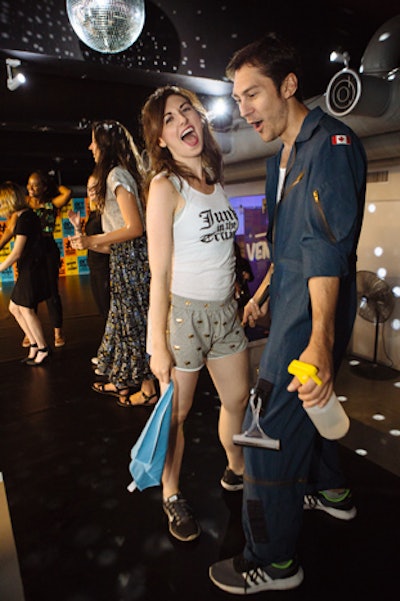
(46, 122)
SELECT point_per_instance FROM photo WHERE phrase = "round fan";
(375, 304)
(375, 298)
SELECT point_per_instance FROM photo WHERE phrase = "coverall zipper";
(318, 204)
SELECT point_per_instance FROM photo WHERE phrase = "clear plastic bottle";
(330, 420)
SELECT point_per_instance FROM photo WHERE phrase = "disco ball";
(107, 26)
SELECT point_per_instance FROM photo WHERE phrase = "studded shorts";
(199, 331)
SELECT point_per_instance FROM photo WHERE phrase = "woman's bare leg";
(184, 388)
(231, 379)
(29, 323)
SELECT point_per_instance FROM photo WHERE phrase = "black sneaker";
(231, 481)
(241, 577)
(341, 507)
(182, 523)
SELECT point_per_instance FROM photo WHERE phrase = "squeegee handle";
(303, 371)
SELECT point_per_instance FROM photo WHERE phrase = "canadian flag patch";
(341, 139)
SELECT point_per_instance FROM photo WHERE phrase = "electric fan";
(375, 304)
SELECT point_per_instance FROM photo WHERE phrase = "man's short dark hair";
(274, 56)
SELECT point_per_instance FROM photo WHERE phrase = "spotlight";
(219, 108)
(17, 79)
(220, 114)
(340, 57)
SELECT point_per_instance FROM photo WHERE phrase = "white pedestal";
(11, 588)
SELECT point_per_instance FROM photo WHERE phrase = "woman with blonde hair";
(193, 317)
(46, 198)
(32, 284)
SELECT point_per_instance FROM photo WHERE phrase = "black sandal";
(125, 400)
(45, 352)
(100, 387)
(29, 357)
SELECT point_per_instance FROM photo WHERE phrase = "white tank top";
(204, 231)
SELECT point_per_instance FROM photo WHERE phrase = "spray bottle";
(330, 420)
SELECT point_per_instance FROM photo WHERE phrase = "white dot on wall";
(354, 362)
(394, 432)
(397, 384)
(395, 325)
(381, 272)
(342, 398)
(378, 417)
(378, 251)
(371, 208)
(396, 291)
(361, 452)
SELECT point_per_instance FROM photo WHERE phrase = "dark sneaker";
(241, 577)
(340, 507)
(182, 523)
(231, 481)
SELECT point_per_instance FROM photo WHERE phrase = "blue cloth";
(313, 231)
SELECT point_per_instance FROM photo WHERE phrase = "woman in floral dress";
(122, 354)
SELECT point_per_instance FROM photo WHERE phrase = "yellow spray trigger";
(303, 371)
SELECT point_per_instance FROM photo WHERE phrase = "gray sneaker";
(182, 523)
(341, 507)
(241, 577)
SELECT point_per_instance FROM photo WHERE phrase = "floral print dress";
(122, 352)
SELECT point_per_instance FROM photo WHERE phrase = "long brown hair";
(116, 148)
(160, 159)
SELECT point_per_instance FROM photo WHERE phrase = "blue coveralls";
(313, 231)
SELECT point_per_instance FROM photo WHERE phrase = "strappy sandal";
(45, 353)
(147, 399)
(33, 351)
(100, 387)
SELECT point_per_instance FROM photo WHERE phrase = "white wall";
(381, 230)
(379, 252)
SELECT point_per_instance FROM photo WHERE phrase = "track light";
(17, 79)
(340, 57)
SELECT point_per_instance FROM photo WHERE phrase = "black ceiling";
(43, 124)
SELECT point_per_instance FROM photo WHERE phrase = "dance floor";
(81, 536)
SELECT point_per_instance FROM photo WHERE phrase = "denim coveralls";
(313, 231)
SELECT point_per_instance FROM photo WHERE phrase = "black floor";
(80, 536)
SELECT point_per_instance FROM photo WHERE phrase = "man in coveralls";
(315, 192)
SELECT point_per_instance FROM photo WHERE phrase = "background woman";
(98, 262)
(122, 354)
(193, 316)
(46, 198)
(32, 285)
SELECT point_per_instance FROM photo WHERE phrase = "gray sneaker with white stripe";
(241, 577)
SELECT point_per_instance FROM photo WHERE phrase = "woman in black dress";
(32, 285)
(98, 262)
(46, 199)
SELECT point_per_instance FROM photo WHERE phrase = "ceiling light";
(220, 113)
(219, 108)
(14, 79)
(340, 57)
